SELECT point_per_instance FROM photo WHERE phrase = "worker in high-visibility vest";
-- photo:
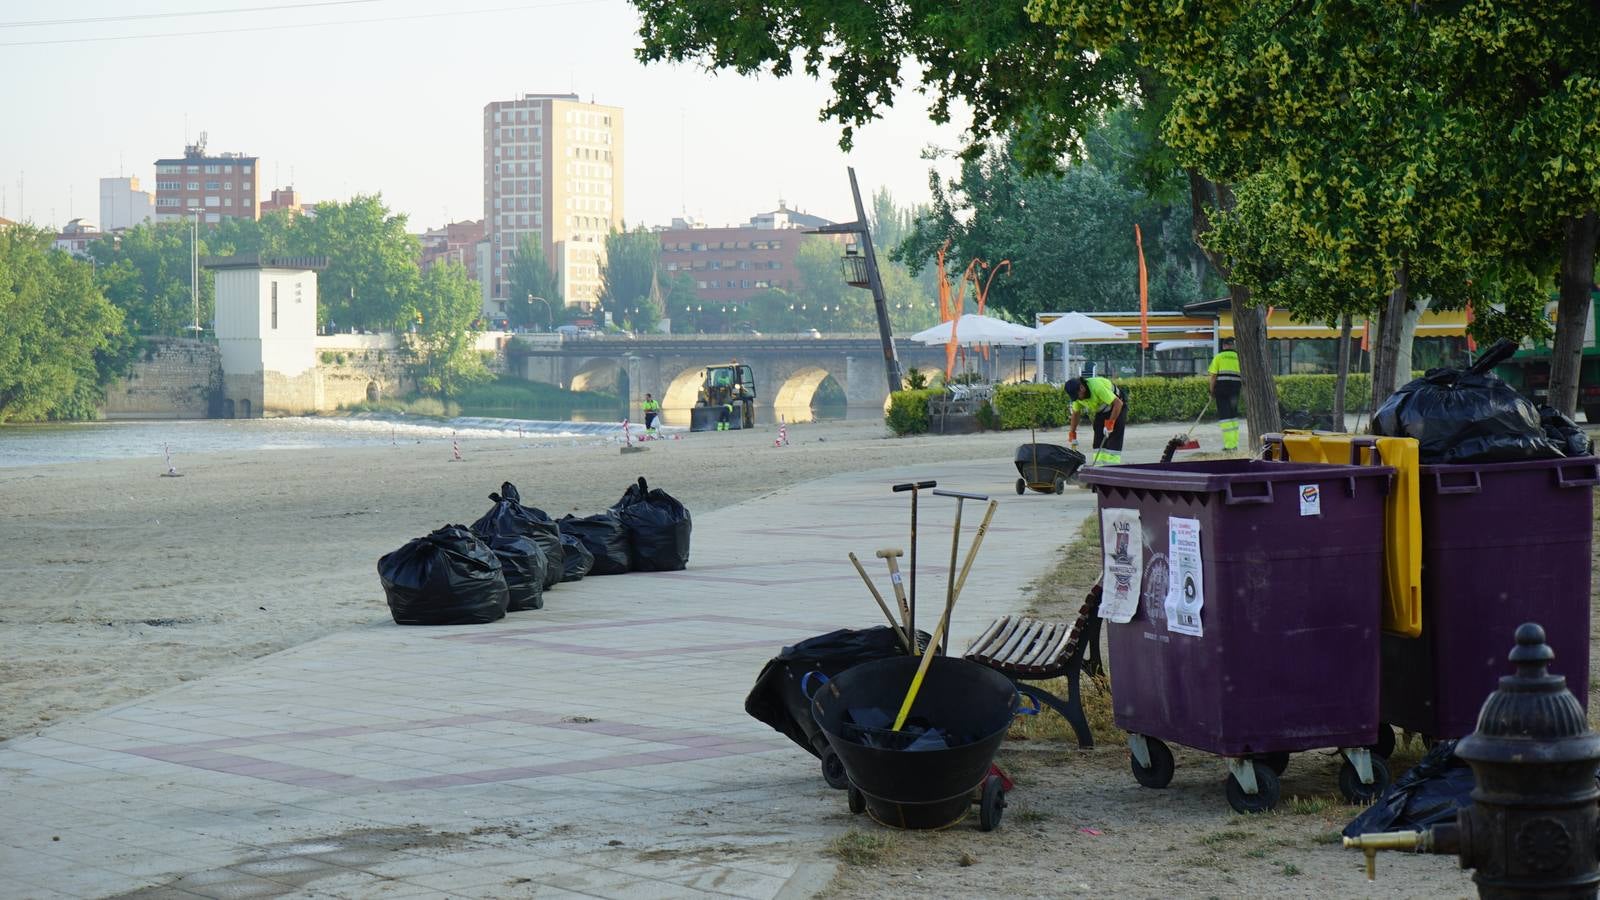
(652, 411)
(1226, 383)
(1106, 405)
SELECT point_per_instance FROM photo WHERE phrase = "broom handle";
(944, 621)
(882, 605)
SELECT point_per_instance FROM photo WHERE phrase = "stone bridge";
(788, 368)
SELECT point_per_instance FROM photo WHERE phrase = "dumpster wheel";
(1159, 773)
(1351, 788)
(1386, 741)
(1267, 790)
(833, 770)
(1278, 762)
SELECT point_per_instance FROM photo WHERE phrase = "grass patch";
(1257, 853)
(1032, 815)
(861, 848)
(1313, 805)
(513, 398)
(1222, 838)
(427, 407)
(1291, 870)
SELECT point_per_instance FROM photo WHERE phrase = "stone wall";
(173, 378)
(352, 376)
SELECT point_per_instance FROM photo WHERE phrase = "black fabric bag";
(522, 562)
(510, 517)
(658, 528)
(776, 698)
(606, 539)
(446, 578)
(1564, 433)
(1428, 793)
(576, 558)
(1466, 415)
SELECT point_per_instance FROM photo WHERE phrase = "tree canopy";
(61, 341)
(530, 276)
(444, 308)
(628, 286)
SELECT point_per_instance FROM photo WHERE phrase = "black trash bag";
(447, 578)
(1466, 415)
(606, 539)
(1428, 793)
(658, 529)
(776, 699)
(576, 558)
(509, 516)
(522, 562)
(1563, 433)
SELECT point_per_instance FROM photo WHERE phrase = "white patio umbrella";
(1068, 328)
(973, 329)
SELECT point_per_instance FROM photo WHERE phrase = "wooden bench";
(1026, 649)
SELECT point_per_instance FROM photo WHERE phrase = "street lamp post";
(550, 313)
(194, 268)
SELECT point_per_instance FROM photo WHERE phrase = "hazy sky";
(391, 99)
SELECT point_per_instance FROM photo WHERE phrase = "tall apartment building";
(123, 204)
(552, 171)
(227, 184)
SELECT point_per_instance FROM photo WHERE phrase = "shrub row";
(1149, 400)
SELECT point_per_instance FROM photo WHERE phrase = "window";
(168, 169)
(213, 185)
(166, 201)
(192, 170)
(227, 201)
(245, 169)
(274, 306)
(194, 185)
(213, 201)
(228, 186)
(227, 170)
(169, 186)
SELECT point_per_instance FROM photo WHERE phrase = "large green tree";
(145, 272)
(529, 280)
(445, 308)
(61, 341)
(628, 278)
(372, 269)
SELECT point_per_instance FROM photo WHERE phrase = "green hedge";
(908, 410)
(1149, 400)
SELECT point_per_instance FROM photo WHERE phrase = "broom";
(1184, 441)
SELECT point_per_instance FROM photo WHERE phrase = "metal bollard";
(1531, 829)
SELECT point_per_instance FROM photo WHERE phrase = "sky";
(368, 96)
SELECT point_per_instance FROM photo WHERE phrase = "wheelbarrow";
(891, 779)
(1046, 468)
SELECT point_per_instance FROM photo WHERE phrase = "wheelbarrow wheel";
(1159, 774)
(1022, 485)
(1061, 485)
(1268, 790)
(856, 799)
(1277, 762)
(833, 770)
(1351, 788)
(992, 805)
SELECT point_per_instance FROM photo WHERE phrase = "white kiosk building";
(266, 325)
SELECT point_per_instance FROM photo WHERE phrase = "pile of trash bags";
(1470, 416)
(513, 554)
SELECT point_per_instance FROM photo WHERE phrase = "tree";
(372, 268)
(628, 286)
(145, 272)
(530, 276)
(60, 338)
(446, 305)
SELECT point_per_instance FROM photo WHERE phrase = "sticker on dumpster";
(1310, 500)
(1186, 583)
(1124, 557)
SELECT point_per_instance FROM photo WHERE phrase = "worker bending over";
(1226, 383)
(1105, 404)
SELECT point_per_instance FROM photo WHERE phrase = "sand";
(118, 582)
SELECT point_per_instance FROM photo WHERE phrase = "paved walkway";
(598, 747)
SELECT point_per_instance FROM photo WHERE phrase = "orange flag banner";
(1472, 345)
(1144, 291)
(1366, 335)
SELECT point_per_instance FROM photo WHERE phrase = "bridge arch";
(602, 374)
(798, 390)
(683, 390)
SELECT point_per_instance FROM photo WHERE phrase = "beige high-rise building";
(552, 171)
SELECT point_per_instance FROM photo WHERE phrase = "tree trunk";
(1572, 312)
(1386, 345)
(1408, 340)
(1249, 323)
(1341, 376)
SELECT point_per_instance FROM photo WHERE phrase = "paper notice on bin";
(1186, 586)
(1123, 539)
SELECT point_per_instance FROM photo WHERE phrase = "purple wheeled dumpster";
(1502, 544)
(1254, 589)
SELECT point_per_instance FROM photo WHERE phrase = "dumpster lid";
(1212, 475)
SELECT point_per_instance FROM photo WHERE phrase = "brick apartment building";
(226, 184)
(734, 264)
(552, 170)
(455, 242)
(285, 198)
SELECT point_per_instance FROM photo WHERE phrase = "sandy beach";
(118, 582)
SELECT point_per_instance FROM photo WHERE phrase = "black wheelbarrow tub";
(1044, 464)
(920, 788)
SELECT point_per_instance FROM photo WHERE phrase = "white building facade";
(124, 205)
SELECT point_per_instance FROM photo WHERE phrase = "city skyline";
(392, 89)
